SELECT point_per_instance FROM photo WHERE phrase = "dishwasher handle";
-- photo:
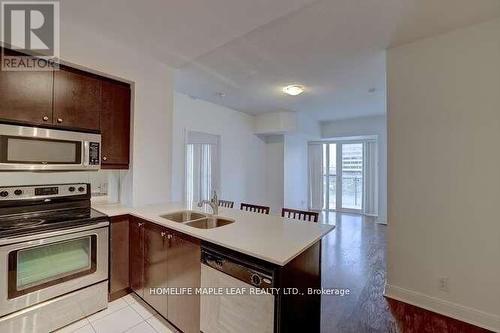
(211, 260)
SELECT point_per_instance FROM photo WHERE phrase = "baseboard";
(381, 220)
(466, 314)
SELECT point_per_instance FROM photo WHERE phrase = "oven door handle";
(43, 235)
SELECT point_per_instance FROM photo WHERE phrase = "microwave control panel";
(94, 153)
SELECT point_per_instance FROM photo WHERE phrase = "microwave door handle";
(86, 153)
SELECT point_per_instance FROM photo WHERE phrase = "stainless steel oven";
(48, 265)
(53, 257)
(33, 148)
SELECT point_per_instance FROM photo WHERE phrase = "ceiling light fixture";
(293, 90)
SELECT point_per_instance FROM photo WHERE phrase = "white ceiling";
(249, 49)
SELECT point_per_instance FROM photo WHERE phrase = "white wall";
(444, 135)
(148, 180)
(296, 180)
(274, 173)
(363, 126)
(243, 154)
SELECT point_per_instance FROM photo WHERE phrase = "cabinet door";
(26, 96)
(77, 99)
(136, 252)
(155, 266)
(184, 271)
(119, 265)
(115, 125)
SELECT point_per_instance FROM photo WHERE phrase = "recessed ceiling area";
(241, 53)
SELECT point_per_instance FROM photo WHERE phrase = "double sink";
(197, 220)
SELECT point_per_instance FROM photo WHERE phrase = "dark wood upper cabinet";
(26, 97)
(71, 99)
(115, 125)
(77, 99)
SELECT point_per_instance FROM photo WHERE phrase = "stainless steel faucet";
(213, 203)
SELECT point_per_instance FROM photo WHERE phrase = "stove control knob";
(81, 189)
(71, 189)
(4, 194)
(18, 192)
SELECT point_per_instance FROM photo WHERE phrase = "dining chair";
(254, 208)
(226, 203)
(300, 214)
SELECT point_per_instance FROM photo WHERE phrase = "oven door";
(32, 148)
(60, 262)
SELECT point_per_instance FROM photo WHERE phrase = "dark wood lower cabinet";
(136, 255)
(184, 271)
(119, 282)
(161, 258)
(301, 312)
(155, 267)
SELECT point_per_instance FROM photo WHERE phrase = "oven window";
(43, 266)
(40, 151)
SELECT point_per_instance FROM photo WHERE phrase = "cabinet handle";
(45, 118)
(169, 236)
(140, 224)
(163, 233)
(104, 158)
(59, 120)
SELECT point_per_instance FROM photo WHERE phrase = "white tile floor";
(127, 314)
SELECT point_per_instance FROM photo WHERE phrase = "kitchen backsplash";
(104, 183)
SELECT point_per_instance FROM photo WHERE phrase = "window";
(202, 166)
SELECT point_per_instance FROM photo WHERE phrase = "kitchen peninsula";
(165, 253)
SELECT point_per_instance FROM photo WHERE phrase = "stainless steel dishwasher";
(227, 302)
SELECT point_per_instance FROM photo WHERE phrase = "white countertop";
(271, 238)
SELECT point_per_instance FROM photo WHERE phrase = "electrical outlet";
(104, 188)
(443, 284)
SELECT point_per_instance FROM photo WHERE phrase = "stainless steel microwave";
(24, 148)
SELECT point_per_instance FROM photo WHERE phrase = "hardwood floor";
(354, 258)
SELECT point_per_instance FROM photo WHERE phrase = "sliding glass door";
(330, 176)
(343, 176)
(352, 176)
